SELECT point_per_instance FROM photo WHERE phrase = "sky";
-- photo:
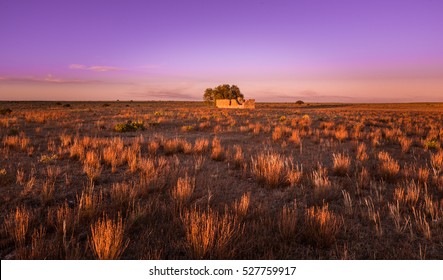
(274, 50)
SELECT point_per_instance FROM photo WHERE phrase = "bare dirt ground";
(181, 180)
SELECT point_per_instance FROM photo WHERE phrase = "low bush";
(129, 126)
(6, 111)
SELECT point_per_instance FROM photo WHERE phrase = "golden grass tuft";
(123, 194)
(201, 145)
(17, 225)
(217, 152)
(209, 235)
(405, 144)
(182, 191)
(388, 167)
(295, 138)
(238, 157)
(287, 221)
(322, 226)
(107, 238)
(437, 163)
(361, 153)
(341, 133)
(341, 164)
(295, 175)
(92, 166)
(270, 169)
(241, 206)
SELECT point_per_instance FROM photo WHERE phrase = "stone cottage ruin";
(235, 103)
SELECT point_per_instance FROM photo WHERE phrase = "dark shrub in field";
(6, 111)
(129, 126)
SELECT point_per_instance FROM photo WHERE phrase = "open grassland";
(180, 180)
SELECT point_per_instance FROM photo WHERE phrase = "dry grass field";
(180, 180)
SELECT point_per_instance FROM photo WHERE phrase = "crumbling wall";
(235, 104)
(249, 104)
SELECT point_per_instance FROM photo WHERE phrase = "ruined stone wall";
(249, 104)
(234, 104)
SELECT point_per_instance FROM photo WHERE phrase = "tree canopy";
(222, 92)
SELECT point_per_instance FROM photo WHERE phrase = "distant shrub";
(6, 111)
(431, 144)
(299, 102)
(13, 131)
(106, 105)
(48, 159)
(129, 126)
(186, 128)
(67, 105)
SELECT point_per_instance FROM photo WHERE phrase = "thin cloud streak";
(95, 68)
(49, 79)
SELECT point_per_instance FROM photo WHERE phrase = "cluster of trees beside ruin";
(224, 91)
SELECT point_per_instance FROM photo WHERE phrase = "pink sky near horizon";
(314, 50)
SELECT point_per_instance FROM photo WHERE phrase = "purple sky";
(274, 50)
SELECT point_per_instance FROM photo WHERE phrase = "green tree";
(224, 91)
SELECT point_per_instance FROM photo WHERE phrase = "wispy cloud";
(95, 68)
(48, 79)
(165, 93)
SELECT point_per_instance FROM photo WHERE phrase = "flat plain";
(183, 180)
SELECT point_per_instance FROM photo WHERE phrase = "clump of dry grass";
(363, 178)
(388, 167)
(400, 223)
(277, 133)
(421, 223)
(347, 202)
(361, 153)
(241, 206)
(322, 185)
(405, 144)
(113, 153)
(77, 150)
(123, 194)
(20, 177)
(437, 163)
(153, 147)
(183, 190)
(256, 128)
(238, 157)
(287, 221)
(209, 234)
(322, 226)
(295, 138)
(341, 133)
(18, 142)
(88, 203)
(373, 215)
(294, 175)
(341, 164)
(61, 218)
(92, 166)
(407, 193)
(172, 146)
(107, 238)
(270, 169)
(201, 145)
(38, 248)
(217, 152)
(17, 225)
